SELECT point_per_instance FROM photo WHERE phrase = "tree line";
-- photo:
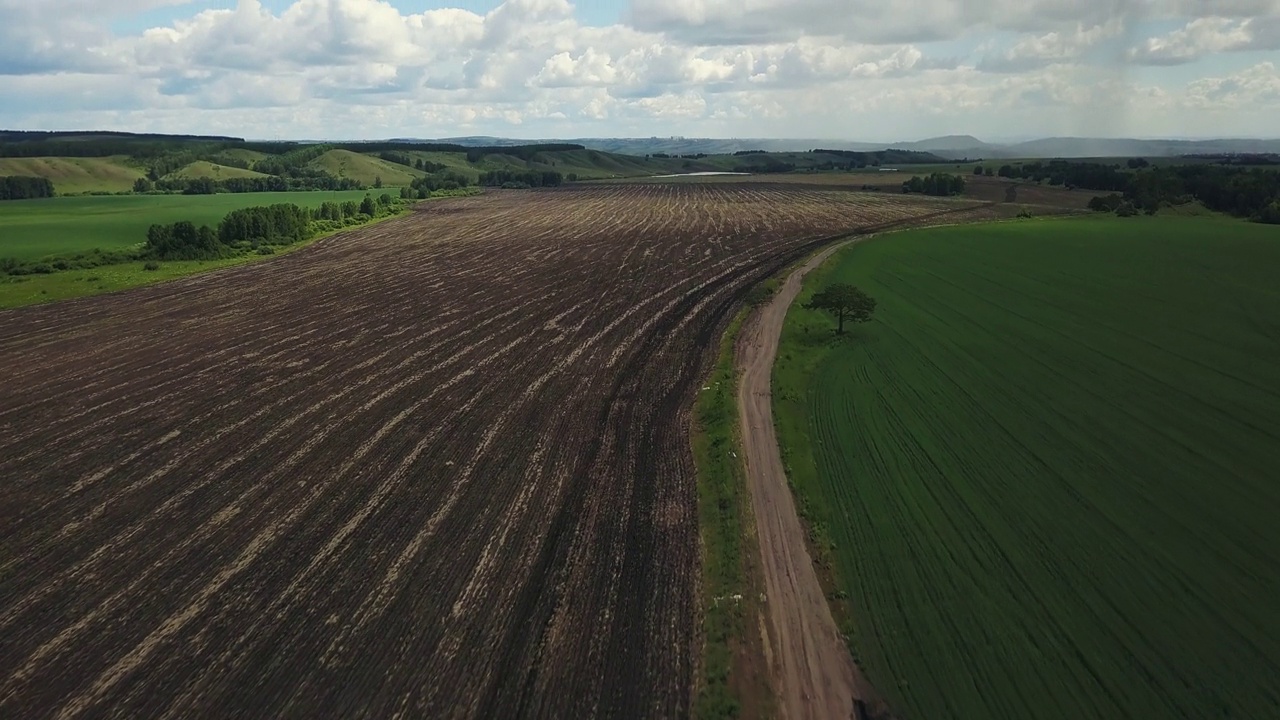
(423, 187)
(1087, 175)
(401, 158)
(521, 179)
(881, 157)
(18, 187)
(258, 228)
(103, 144)
(936, 184)
(1252, 193)
(272, 183)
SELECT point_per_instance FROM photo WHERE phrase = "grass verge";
(723, 510)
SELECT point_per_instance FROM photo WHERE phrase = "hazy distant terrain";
(951, 146)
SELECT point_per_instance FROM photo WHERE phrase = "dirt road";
(812, 670)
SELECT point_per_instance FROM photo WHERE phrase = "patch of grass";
(722, 503)
(33, 229)
(1046, 473)
(735, 678)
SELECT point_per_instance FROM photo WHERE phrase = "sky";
(873, 70)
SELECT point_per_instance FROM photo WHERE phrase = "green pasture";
(1047, 474)
(33, 229)
(68, 284)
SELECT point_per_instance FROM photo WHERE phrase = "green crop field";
(1047, 474)
(33, 229)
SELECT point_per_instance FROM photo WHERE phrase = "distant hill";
(97, 135)
(112, 162)
(206, 169)
(670, 146)
(365, 169)
(951, 147)
(1095, 147)
(76, 175)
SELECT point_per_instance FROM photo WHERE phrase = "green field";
(33, 229)
(1047, 474)
(68, 284)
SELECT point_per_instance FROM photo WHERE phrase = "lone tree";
(845, 302)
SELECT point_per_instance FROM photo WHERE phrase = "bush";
(1110, 203)
(1126, 209)
(1270, 214)
(151, 266)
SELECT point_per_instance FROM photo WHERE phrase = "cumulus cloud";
(1206, 36)
(835, 68)
(906, 21)
(1039, 51)
(1256, 88)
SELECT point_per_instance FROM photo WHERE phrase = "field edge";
(76, 284)
(797, 453)
(733, 681)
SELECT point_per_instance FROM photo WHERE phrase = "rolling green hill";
(73, 176)
(365, 168)
(249, 156)
(206, 169)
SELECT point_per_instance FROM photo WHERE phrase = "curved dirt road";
(812, 670)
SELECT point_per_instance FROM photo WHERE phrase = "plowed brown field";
(436, 468)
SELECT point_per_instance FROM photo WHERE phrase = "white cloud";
(903, 21)
(1038, 51)
(1206, 36)
(833, 68)
(1254, 89)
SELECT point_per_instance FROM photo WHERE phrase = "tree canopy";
(845, 302)
(25, 188)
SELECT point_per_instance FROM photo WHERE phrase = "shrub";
(151, 266)
(1126, 209)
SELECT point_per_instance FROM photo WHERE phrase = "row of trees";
(18, 187)
(936, 184)
(524, 152)
(417, 163)
(273, 183)
(258, 228)
(1091, 176)
(1244, 192)
(514, 178)
(421, 188)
